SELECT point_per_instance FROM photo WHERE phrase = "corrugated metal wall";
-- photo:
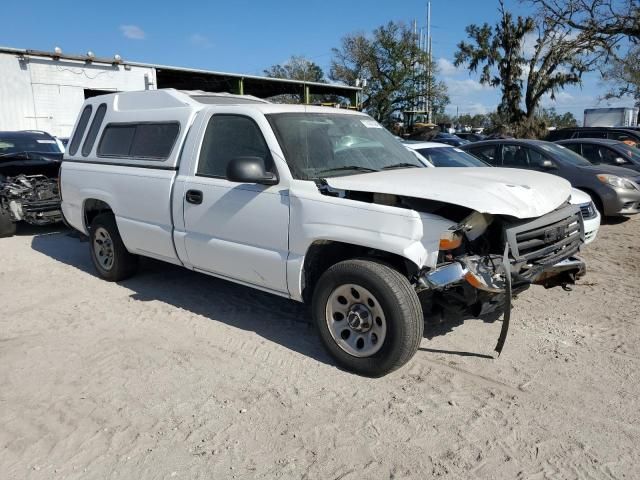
(47, 94)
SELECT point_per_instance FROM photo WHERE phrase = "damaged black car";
(29, 166)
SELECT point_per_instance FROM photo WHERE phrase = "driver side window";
(228, 137)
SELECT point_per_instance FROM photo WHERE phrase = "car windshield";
(564, 154)
(16, 144)
(318, 145)
(450, 157)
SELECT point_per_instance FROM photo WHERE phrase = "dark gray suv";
(615, 190)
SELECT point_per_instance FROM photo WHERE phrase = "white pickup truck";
(315, 204)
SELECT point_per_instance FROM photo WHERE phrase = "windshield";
(318, 145)
(450, 157)
(564, 154)
(13, 144)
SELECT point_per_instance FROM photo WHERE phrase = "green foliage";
(623, 75)
(390, 60)
(297, 68)
(616, 26)
(528, 58)
(551, 118)
(500, 54)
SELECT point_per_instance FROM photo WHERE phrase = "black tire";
(398, 301)
(123, 264)
(7, 225)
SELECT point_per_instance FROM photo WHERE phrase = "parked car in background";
(449, 139)
(29, 166)
(441, 155)
(605, 152)
(62, 143)
(470, 136)
(314, 204)
(614, 190)
(438, 155)
(629, 136)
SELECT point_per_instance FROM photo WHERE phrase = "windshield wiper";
(356, 168)
(401, 165)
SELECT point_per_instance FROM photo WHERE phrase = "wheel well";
(93, 208)
(324, 253)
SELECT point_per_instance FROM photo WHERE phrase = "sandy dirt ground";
(174, 374)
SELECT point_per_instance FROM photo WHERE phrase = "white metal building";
(45, 90)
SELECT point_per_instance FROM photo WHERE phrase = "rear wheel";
(7, 225)
(368, 316)
(109, 255)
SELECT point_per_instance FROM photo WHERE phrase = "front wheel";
(368, 315)
(110, 257)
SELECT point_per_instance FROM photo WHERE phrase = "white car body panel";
(259, 235)
(578, 197)
(591, 225)
(498, 191)
(316, 217)
(139, 198)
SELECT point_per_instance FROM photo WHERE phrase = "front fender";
(314, 217)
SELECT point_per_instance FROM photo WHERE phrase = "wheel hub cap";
(103, 248)
(359, 318)
(356, 320)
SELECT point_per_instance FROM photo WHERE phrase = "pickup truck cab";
(315, 204)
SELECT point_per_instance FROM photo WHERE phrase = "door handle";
(194, 196)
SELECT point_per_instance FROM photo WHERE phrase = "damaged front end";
(485, 259)
(34, 199)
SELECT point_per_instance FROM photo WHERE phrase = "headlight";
(618, 182)
(450, 240)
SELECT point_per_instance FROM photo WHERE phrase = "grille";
(548, 239)
(588, 210)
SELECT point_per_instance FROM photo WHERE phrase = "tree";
(478, 120)
(528, 59)
(297, 68)
(616, 23)
(608, 18)
(399, 74)
(552, 118)
(623, 76)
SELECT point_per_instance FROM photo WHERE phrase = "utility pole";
(429, 78)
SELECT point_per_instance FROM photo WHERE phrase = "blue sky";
(247, 36)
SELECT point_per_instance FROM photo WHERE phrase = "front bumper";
(36, 212)
(591, 228)
(490, 277)
(625, 202)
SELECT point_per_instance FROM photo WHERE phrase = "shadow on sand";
(276, 319)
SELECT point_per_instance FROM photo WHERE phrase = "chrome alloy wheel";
(356, 320)
(103, 248)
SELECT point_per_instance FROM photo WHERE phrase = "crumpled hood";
(498, 191)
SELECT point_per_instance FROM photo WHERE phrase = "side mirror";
(549, 165)
(249, 170)
(620, 161)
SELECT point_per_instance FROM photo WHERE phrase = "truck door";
(238, 231)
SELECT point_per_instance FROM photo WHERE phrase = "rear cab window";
(149, 141)
(94, 129)
(74, 144)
